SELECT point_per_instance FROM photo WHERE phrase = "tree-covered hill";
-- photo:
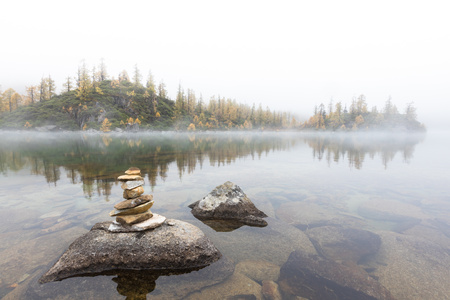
(94, 101)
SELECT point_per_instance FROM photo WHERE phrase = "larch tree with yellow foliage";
(106, 125)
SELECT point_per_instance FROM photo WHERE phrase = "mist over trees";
(92, 96)
(95, 100)
(358, 117)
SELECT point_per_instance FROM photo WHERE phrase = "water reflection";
(355, 147)
(96, 160)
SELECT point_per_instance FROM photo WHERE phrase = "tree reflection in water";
(355, 146)
(95, 160)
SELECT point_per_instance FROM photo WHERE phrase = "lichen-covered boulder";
(228, 202)
(175, 245)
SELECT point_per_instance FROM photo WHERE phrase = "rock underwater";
(227, 203)
(175, 245)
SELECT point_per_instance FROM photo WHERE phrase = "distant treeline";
(359, 117)
(94, 100)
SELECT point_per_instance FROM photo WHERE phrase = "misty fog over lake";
(324, 194)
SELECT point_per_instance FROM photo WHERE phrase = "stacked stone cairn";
(133, 213)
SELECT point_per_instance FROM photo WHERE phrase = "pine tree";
(68, 84)
(85, 86)
(151, 83)
(137, 77)
(103, 75)
(51, 88)
(162, 92)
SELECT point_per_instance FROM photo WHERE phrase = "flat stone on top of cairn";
(133, 213)
(133, 171)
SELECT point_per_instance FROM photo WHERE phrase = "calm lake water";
(374, 203)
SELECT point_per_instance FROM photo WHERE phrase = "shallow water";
(322, 193)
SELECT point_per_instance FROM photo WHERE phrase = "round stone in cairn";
(133, 193)
(133, 171)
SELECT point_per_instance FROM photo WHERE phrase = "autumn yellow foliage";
(191, 127)
(106, 125)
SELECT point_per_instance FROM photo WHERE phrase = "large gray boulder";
(228, 202)
(175, 245)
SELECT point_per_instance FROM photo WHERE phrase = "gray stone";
(178, 247)
(313, 277)
(228, 202)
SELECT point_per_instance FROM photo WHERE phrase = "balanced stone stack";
(133, 213)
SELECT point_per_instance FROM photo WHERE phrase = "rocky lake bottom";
(373, 212)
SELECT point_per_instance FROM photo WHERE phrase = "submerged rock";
(177, 247)
(313, 277)
(344, 244)
(228, 202)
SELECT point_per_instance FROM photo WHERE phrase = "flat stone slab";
(132, 211)
(129, 177)
(131, 184)
(168, 247)
(153, 222)
(133, 219)
(130, 203)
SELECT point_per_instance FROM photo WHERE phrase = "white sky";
(289, 55)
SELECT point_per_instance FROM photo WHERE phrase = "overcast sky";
(288, 55)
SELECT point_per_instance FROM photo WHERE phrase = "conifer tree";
(85, 86)
(137, 77)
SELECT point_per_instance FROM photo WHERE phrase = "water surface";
(55, 187)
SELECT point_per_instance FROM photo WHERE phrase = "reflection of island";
(355, 147)
(96, 160)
